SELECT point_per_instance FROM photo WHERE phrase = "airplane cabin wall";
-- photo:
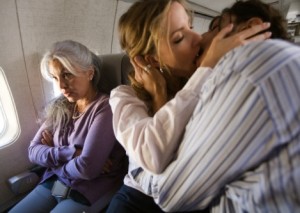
(27, 31)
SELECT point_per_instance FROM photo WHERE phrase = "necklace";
(76, 114)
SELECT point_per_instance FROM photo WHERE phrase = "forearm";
(48, 156)
(159, 100)
(152, 141)
(96, 148)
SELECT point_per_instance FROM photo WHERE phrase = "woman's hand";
(78, 151)
(152, 80)
(47, 138)
(222, 44)
(107, 166)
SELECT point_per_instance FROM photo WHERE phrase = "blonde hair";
(140, 33)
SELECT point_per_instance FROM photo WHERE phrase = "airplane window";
(2, 126)
(9, 122)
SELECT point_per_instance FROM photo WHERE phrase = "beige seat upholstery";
(115, 70)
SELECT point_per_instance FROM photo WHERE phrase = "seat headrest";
(115, 69)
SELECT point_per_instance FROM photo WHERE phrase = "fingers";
(47, 138)
(223, 32)
(137, 71)
(140, 61)
(147, 68)
(143, 64)
(259, 37)
(253, 30)
(44, 141)
(107, 166)
(47, 135)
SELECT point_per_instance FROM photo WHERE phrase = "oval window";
(9, 122)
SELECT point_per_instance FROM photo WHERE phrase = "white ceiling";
(213, 7)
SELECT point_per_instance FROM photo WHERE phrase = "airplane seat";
(115, 70)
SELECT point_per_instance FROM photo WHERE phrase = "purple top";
(93, 132)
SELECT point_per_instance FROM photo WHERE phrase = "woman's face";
(72, 87)
(180, 51)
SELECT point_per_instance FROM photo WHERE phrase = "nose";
(204, 34)
(197, 39)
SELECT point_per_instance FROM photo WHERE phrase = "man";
(241, 148)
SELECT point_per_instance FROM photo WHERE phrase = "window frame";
(11, 130)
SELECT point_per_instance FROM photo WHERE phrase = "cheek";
(180, 59)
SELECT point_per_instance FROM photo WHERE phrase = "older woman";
(85, 163)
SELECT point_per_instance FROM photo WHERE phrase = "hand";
(107, 166)
(222, 44)
(47, 138)
(152, 80)
(77, 151)
(148, 76)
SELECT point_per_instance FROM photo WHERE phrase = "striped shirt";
(241, 148)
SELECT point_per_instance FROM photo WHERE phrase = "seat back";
(115, 70)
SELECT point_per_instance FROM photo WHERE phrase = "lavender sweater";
(92, 132)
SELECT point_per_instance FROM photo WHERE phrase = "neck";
(81, 104)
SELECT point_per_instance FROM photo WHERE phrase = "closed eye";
(178, 40)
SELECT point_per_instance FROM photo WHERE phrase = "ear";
(254, 21)
(151, 59)
(91, 74)
(249, 23)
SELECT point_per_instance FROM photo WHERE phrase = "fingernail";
(266, 24)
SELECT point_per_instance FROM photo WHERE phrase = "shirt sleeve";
(153, 141)
(237, 126)
(48, 156)
(98, 145)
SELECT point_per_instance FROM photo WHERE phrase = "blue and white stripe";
(241, 148)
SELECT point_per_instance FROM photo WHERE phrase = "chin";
(70, 99)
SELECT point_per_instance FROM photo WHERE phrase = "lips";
(66, 94)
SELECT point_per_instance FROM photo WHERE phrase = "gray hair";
(76, 58)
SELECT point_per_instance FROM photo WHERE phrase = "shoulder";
(124, 95)
(262, 50)
(263, 57)
(101, 102)
(123, 90)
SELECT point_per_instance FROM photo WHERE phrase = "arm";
(152, 80)
(237, 127)
(97, 147)
(48, 155)
(152, 141)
